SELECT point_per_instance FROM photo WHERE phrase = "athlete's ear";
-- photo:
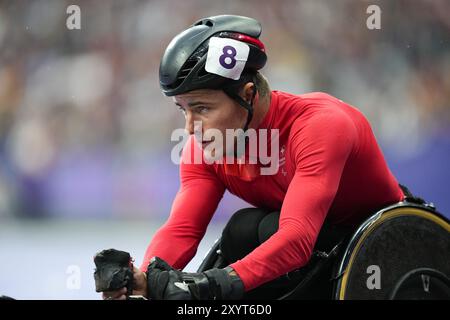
(247, 91)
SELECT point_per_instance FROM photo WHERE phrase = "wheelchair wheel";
(402, 252)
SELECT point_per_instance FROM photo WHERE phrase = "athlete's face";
(207, 109)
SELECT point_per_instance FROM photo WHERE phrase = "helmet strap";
(248, 106)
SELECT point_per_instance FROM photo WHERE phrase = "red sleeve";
(320, 147)
(195, 203)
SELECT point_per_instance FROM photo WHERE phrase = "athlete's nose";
(189, 125)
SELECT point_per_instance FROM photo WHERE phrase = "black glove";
(114, 270)
(164, 282)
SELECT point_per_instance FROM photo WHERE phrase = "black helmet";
(185, 62)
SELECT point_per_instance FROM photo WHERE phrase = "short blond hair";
(262, 85)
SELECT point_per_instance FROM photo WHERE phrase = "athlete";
(329, 167)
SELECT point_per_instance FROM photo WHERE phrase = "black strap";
(224, 286)
(410, 197)
(198, 285)
(231, 92)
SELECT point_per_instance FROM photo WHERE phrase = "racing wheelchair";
(400, 252)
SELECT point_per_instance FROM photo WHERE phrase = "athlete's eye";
(182, 110)
(201, 109)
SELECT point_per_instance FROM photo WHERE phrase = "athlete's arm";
(195, 203)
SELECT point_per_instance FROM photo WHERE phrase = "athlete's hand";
(140, 283)
(139, 287)
(115, 295)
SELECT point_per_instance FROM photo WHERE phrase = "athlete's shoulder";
(305, 99)
(319, 97)
(325, 113)
(288, 108)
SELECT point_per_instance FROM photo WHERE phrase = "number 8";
(228, 52)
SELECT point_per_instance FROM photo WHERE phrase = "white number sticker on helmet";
(226, 57)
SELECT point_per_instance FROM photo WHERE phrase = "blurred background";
(85, 131)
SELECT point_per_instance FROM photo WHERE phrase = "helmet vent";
(186, 69)
(202, 72)
(184, 72)
(205, 22)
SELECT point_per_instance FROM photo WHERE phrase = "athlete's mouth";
(204, 143)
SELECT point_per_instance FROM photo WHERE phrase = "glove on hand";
(114, 270)
(164, 282)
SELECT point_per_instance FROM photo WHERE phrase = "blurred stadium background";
(85, 132)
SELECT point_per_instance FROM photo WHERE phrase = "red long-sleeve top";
(330, 165)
